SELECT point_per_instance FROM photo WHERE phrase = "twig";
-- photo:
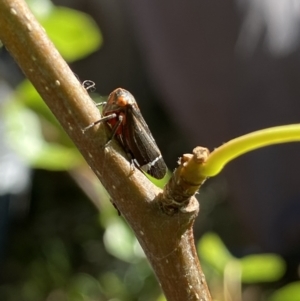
(246, 143)
(166, 239)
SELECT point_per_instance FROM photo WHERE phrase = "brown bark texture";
(162, 220)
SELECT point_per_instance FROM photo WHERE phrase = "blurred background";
(203, 72)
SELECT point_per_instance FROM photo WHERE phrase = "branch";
(165, 234)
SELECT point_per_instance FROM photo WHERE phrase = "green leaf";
(254, 268)
(262, 268)
(161, 298)
(23, 134)
(120, 241)
(290, 292)
(213, 251)
(113, 287)
(75, 34)
(27, 94)
(84, 287)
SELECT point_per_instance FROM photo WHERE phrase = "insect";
(124, 117)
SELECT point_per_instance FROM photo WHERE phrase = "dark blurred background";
(203, 72)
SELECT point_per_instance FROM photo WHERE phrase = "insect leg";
(108, 117)
(101, 104)
(115, 128)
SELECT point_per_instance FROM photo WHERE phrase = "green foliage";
(74, 33)
(262, 268)
(83, 287)
(32, 130)
(253, 268)
(290, 292)
(213, 251)
(27, 95)
(124, 245)
(24, 135)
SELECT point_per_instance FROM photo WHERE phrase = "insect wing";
(138, 139)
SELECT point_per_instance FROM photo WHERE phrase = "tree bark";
(162, 223)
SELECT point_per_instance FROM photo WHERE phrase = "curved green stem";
(243, 144)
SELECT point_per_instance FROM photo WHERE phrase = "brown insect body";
(130, 128)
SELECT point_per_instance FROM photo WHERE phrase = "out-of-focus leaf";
(28, 95)
(119, 240)
(75, 34)
(254, 268)
(213, 251)
(84, 287)
(262, 268)
(114, 287)
(40, 8)
(25, 137)
(31, 291)
(290, 292)
(58, 265)
(161, 298)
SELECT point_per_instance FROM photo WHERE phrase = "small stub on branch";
(179, 192)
